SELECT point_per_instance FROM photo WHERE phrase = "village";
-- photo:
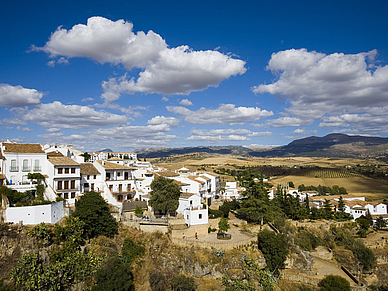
(124, 182)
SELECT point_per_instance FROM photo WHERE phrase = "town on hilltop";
(58, 177)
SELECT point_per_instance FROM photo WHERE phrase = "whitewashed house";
(49, 213)
(90, 178)
(64, 176)
(192, 209)
(19, 160)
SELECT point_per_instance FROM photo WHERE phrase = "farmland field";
(331, 171)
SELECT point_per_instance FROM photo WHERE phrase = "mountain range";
(332, 145)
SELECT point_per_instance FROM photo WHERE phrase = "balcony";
(26, 169)
(14, 169)
(37, 169)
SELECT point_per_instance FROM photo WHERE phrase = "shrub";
(214, 213)
(306, 240)
(42, 233)
(334, 283)
(131, 250)
(183, 283)
(158, 281)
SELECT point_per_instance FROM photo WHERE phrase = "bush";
(131, 250)
(334, 283)
(307, 241)
(42, 233)
(158, 281)
(114, 275)
(274, 248)
(183, 283)
(214, 213)
(93, 210)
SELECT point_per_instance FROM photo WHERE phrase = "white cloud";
(219, 135)
(186, 102)
(59, 115)
(330, 81)
(166, 70)
(337, 87)
(165, 99)
(171, 121)
(24, 128)
(374, 121)
(285, 121)
(303, 131)
(17, 96)
(225, 114)
(87, 99)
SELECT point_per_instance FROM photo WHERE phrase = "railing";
(37, 169)
(14, 169)
(225, 245)
(26, 169)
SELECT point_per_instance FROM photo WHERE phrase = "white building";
(90, 178)
(49, 213)
(64, 176)
(192, 209)
(19, 160)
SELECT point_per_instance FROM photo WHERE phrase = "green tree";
(380, 222)
(274, 248)
(334, 283)
(138, 211)
(86, 156)
(327, 209)
(183, 283)
(164, 195)
(223, 224)
(93, 211)
(131, 250)
(363, 226)
(114, 275)
(42, 233)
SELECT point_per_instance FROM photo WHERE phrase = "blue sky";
(136, 74)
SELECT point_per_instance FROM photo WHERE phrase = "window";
(60, 170)
(94, 177)
(72, 184)
(66, 185)
(36, 165)
(86, 185)
(13, 166)
(200, 216)
(25, 165)
(72, 194)
(87, 177)
(66, 195)
(59, 185)
(92, 187)
(73, 170)
(66, 170)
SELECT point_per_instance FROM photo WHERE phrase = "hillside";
(332, 145)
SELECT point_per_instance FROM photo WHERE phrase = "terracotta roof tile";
(89, 169)
(114, 166)
(62, 161)
(25, 148)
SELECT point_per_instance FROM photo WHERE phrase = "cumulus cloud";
(335, 80)
(178, 70)
(171, 121)
(285, 121)
(27, 129)
(373, 121)
(59, 115)
(328, 86)
(17, 96)
(224, 114)
(219, 135)
(304, 131)
(165, 99)
(186, 102)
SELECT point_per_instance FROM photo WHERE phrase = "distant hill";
(106, 150)
(332, 145)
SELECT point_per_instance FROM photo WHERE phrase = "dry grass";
(360, 186)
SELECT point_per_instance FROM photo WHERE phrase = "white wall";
(50, 213)
(192, 217)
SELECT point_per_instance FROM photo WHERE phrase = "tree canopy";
(164, 195)
(93, 210)
(334, 283)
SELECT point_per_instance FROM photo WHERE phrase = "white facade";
(188, 201)
(50, 213)
(196, 215)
